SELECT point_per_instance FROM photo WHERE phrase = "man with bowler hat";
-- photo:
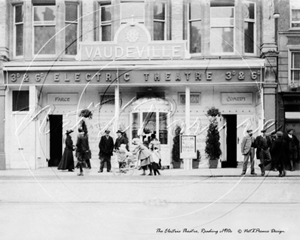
(106, 146)
(247, 148)
(263, 144)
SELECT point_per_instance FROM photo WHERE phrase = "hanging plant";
(86, 113)
(213, 112)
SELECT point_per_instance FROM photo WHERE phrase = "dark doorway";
(231, 142)
(55, 139)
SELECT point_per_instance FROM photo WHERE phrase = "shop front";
(155, 97)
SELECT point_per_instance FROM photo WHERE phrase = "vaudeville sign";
(188, 146)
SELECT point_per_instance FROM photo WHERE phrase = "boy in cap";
(247, 148)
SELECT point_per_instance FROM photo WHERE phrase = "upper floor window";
(159, 21)
(222, 18)
(71, 28)
(132, 10)
(44, 18)
(249, 27)
(194, 27)
(105, 21)
(295, 67)
(18, 29)
(295, 13)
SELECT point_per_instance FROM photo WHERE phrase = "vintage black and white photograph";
(149, 119)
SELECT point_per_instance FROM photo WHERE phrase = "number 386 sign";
(188, 146)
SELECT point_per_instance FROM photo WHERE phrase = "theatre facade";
(135, 82)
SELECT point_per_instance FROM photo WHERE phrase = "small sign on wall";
(237, 98)
(63, 98)
(188, 146)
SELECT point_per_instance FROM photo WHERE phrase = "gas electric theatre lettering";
(132, 76)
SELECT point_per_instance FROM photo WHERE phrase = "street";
(50, 204)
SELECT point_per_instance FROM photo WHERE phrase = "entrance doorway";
(55, 139)
(231, 141)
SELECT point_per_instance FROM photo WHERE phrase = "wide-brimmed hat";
(119, 131)
(107, 131)
(263, 130)
(249, 130)
(69, 131)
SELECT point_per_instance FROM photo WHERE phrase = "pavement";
(135, 174)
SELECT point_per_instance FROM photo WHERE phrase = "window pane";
(221, 40)
(296, 15)
(215, 22)
(195, 10)
(71, 39)
(249, 37)
(19, 14)
(163, 130)
(159, 30)
(106, 33)
(295, 3)
(71, 12)
(20, 101)
(296, 25)
(105, 13)
(132, 9)
(296, 60)
(149, 121)
(195, 37)
(44, 13)
(19, 40)
(41, 36)
(296, 75)
(135, 124)
(248, 10)
(219, 12)
(159, 11)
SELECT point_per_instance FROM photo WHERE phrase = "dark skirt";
(67, 160)
(145, 162)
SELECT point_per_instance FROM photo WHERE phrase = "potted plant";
(196, 161)
(212, 148)
(176, 160)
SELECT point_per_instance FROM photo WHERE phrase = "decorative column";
(187, 161)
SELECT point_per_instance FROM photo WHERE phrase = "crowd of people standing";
(279, 150)
(147, 152)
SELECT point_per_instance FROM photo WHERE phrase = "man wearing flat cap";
(106, 146)
(263, 144)
(247, 148)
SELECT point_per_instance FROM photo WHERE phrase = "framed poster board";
(188, 146)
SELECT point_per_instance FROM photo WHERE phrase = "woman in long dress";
(143, 154)
(67, 159)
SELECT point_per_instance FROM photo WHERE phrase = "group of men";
(107, 147)
(269, 150)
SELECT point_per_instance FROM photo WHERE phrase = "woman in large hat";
(67, 160)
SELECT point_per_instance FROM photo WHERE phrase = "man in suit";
(263, 144)
(247, 148)
(106, 146)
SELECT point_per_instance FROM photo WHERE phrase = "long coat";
(82, 147)
(279, 151)
(67, 159)
(121, 140)
(293, 146)
(106, 146)
(258, 144)
(246, 144)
